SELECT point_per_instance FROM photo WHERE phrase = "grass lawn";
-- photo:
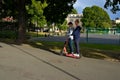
(39, 34)
(98, 51)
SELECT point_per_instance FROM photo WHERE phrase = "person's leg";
(77, 46)
(76, 42)
(72, 50)
(70, 43)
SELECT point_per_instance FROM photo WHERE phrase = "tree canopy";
(11, 7)
(57, 10)
(74, 11)
(114, 4)
(35, 13)
(95, 17)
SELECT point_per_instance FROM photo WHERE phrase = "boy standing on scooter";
(70, 36)
(76, 34)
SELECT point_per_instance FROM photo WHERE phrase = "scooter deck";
(72, 56)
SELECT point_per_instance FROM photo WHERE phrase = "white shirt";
(70, 32)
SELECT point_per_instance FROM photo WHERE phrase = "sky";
(81, 4)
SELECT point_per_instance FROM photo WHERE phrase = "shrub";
(8, 34)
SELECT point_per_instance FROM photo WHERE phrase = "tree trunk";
(21, 21)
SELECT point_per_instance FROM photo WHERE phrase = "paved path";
(23, 62)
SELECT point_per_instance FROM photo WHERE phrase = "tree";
(35, 10)
(63, 26)
(57, 10)
(16, 8)
(95, 17)
(74, 11)
(118, 25)
(21, 20)
(115, 4)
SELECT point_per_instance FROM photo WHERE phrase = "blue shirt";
(76, 32)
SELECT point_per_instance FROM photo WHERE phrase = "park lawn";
(98, 51)
(102, 46)
(35, 34)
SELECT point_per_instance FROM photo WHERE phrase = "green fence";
(113, 31)
(103, 30)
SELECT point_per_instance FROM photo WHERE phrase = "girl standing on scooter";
(76, 35)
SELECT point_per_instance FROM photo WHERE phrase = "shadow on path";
(48, 63)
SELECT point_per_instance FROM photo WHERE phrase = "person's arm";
(79, 28)
(68, 32)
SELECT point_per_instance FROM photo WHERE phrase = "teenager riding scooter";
(69, 42)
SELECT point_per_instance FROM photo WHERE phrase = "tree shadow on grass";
(100, 54)
(86, 52)
(49, 48)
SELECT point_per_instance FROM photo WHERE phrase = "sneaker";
(77, 55)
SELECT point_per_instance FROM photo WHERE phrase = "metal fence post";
(119, 38)
(87, 35)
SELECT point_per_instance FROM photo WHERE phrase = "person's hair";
(77, 20)
(70, 23)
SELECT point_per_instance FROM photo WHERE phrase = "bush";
(8, 34)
